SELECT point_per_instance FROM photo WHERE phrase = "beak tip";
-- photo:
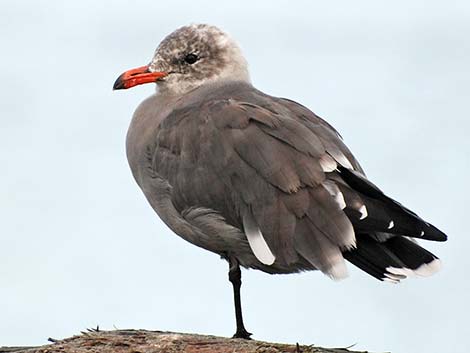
(119, 84)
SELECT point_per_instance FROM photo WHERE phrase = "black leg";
(235, 276)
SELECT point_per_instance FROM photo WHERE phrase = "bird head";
(188, 58)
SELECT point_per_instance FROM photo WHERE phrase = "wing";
(272, 168)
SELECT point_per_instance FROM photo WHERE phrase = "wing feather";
(275, 170)
(257, 158)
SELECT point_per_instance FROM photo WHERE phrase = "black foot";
(242, 334)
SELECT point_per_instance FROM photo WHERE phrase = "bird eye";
(191, 58)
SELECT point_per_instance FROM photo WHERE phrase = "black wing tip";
(362, 185)
(434, 235)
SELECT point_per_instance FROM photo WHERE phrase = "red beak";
(136, 77)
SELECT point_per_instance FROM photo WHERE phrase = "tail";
(383, 230)
(393, 260)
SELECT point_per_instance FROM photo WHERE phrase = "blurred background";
(80, 246)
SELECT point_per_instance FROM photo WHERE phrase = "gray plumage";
(235, 150)
(257, 179)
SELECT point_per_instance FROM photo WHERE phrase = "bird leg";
(235, 276)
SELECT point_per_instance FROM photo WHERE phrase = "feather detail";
(256, 240)
(319, 250)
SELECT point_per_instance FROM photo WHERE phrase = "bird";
(261, 181)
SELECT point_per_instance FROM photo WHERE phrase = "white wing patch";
(256, 240)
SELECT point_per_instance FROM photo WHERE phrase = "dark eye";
(191, 58)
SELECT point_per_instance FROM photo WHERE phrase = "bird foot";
(242, 333)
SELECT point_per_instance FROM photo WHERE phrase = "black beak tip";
(119, 84)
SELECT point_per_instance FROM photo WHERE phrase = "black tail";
(383, 249)
(392, 260)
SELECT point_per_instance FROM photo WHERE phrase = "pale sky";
(80, 246)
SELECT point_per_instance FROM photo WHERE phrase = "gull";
(259, 180)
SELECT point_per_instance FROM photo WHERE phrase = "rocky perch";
(142, 341)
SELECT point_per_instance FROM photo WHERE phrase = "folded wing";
(273, 168)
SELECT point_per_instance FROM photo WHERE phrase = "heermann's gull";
(261, 181)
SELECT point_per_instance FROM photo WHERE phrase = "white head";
(188, 58)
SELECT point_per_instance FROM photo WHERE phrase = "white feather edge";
(256, 240)
(341, 159)
(338, 271)
(428, 269)
(327, 163)
(363, 211)
(335, 192)
(424, 270)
